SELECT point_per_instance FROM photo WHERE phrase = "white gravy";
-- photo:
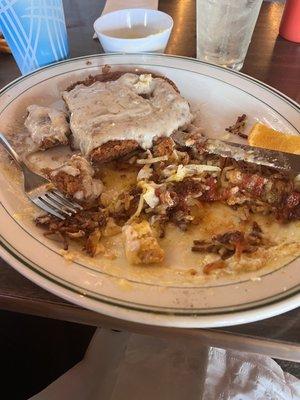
(114, 110)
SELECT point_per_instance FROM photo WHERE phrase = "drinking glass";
(224, 30)
(35, 31)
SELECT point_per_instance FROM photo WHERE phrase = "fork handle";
(5, 143)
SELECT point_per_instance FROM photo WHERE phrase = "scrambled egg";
(141, 247)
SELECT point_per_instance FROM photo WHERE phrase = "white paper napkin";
(114, 5)
(124, 366)
(233, 375)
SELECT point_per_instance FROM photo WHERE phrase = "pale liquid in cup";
(135, 32)
(224, 30)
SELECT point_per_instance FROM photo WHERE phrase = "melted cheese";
(115, 110)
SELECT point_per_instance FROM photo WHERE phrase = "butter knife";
(279, 160)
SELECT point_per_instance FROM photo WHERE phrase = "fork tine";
(52, 204)
(60, 203)
(44, 207)
(65, 200)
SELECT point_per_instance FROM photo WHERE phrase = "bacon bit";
(231, 237)
(208, 268)
(293, 200)
(212, 193)
(204, 247)
(238, 127)
(224, 194)
(240, 247)
(234, 239)
(214, 247)
(253, 184)
(290, 208)
(188, 187)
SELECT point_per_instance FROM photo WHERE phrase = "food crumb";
(226, 136)
(17, 216)
(110, 255)
(106, 69)
(238, 127)
(26, 212)
(124, 284)
(67, 255)
(192, 272)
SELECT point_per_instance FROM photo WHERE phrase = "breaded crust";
(49, 142)
(163, 146)
(66, 183)
(112, 150)
(114, 75)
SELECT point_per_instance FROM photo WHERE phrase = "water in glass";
(224, 30)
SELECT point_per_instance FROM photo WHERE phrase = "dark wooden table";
(270, 59)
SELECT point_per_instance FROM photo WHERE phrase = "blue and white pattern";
(35, 31)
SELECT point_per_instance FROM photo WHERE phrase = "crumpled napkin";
(237, 375)
(124, 366)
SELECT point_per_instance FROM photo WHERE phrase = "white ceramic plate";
(221, 95)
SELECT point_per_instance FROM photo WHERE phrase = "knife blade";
(279, 160)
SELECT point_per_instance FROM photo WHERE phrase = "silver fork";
(40, 190)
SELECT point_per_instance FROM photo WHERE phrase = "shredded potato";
(192, 169)
(149, 193)
(152, 160)
(139, 209)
